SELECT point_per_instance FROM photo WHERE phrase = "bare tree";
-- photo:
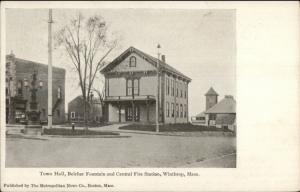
(87, 44)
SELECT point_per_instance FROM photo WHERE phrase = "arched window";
(132, 61)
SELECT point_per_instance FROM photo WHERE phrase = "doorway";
(132, 115)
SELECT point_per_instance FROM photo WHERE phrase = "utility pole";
(158, 90)
(50, 69)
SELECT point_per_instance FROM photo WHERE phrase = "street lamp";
(33, 126)
(158, 90)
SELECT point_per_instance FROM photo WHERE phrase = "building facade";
(131, 86)
(76, 110)
(19, 71)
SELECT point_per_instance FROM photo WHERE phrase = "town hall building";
(131, 87)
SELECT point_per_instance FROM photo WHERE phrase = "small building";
(17, 72)
(219, 114)
(131, 86)
(199, 119)
(223, 114)
(76, 110)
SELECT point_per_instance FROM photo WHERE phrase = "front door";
(132, 115)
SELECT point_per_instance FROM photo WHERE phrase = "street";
(137, 150)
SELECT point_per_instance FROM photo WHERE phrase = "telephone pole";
(50, 69)
(158, 90)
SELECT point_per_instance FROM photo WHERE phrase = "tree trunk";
(85, 115)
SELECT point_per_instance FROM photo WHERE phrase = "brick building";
(131, 89)
(17, 95)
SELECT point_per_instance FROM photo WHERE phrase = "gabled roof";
(211, 91)
(164, 66)
(226, 105)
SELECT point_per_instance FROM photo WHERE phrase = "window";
(181, 111)
(200, 118)
(168, 109)
(172, 109)
(176, 88)
(132, 61)
(58, 112)
(185, 110)
(136, 87)
(181, 87)
(185, 89)
(132, 87)
(168, 86)
(58, 93)
(177, 110)
(20, 88)
(173, 87)
(129, 87)
(73, 115)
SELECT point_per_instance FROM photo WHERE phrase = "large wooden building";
(131, 88)
(18, 71)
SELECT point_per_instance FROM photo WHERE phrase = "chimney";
(163, 58)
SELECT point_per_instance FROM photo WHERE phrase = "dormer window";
(132, 61)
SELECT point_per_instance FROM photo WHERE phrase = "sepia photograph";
(120, 88)
(149, 96)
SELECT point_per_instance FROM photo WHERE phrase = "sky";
(199, 43)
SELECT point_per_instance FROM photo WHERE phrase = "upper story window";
(185, 89)
(168, 86)
(132, 61)
(20, 88)
(172, 87)
(132, 87)
(181, 87)
(177, 83)
(59, 93)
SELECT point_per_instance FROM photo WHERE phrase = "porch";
(130, 109)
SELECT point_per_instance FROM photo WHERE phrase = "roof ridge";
(166, 66)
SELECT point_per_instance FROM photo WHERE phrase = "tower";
(211, 98)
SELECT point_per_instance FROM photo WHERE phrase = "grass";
(187, 127)
(56, 131)
(81, 124)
